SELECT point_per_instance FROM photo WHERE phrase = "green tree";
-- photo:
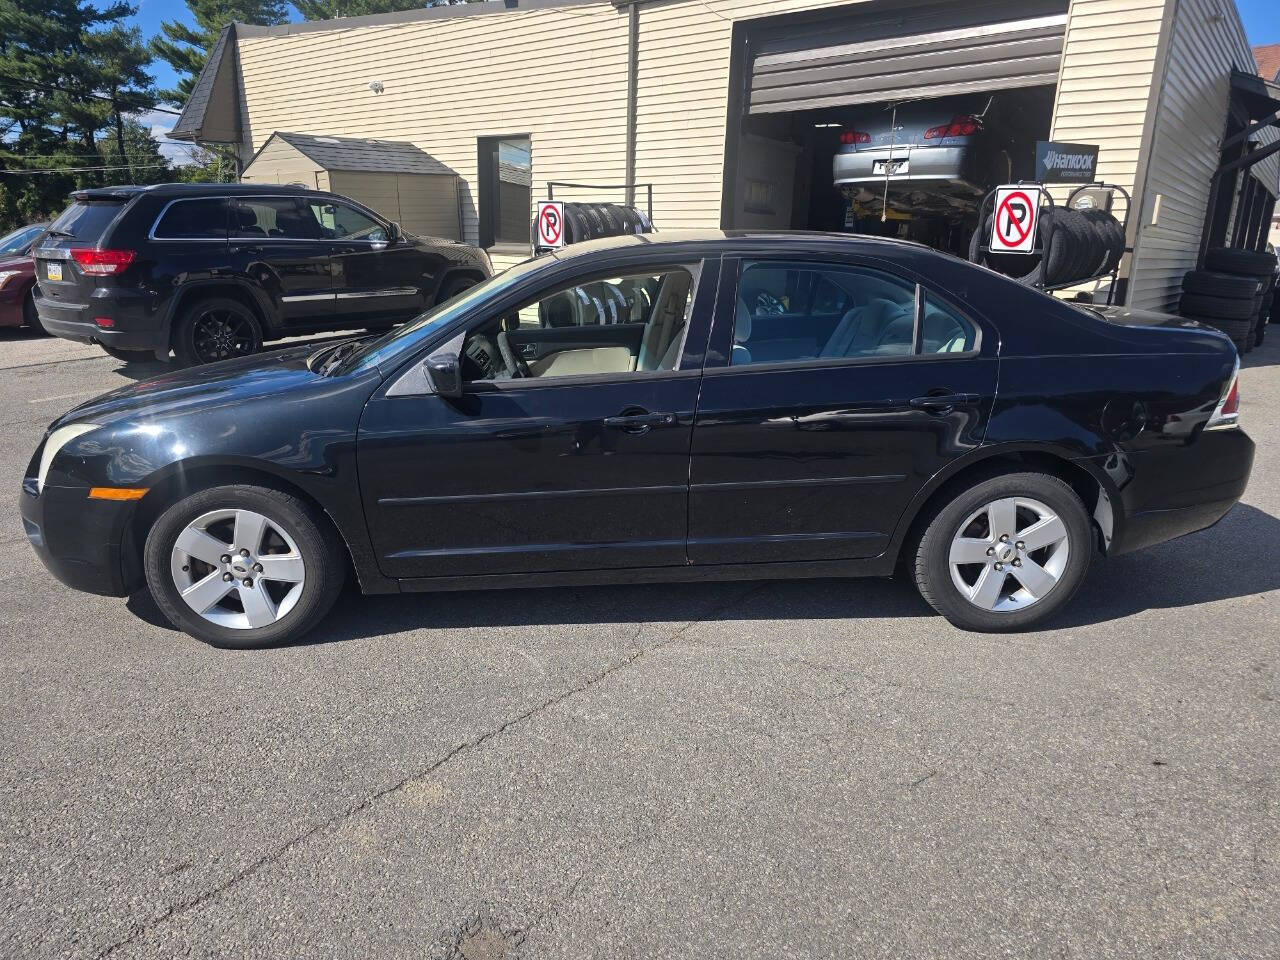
(68, 72)
(186, 48)
(142, 157)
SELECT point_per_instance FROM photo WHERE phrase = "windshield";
(416, 331)
(20, 239)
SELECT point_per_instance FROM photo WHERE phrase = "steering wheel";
(516, 367)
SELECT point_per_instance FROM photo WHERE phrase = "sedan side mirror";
(444, 370)
(394, 233)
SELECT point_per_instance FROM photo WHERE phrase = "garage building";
(731, 112)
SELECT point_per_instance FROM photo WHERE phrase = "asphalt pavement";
(771, 770)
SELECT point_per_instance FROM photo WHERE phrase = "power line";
(134, 166)
(80, 93)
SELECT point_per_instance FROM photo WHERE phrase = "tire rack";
(551, 195)
(1042, 189)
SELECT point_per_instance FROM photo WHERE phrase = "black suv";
(213, 270)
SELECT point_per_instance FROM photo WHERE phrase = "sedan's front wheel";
(1006, 554)
(243, 566)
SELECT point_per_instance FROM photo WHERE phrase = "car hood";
(279, 376)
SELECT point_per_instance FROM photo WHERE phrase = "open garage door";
(934, 50)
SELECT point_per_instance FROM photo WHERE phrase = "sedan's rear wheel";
(1005, 554)
(243, 566)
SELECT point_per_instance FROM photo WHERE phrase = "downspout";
(633, 95)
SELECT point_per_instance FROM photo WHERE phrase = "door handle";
(943, 401)
(640, 422)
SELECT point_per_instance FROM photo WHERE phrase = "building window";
(506, 190)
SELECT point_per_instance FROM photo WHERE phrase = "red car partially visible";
(18, 277)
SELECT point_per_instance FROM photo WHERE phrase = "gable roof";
(1268, 58)
(365, 155)
(212, 112)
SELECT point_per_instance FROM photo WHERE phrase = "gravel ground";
(742, 770)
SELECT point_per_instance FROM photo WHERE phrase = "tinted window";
(284, 218)
(19, 240)
(86, 220)
(204, 219)
(341, 222)
(790, 311)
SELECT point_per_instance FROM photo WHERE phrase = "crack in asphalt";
(266, 860)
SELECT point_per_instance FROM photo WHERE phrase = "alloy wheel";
(1009, 554)
(221, 335)
(237, 569)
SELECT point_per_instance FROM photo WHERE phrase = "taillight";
(1227, 413)
(101, 263)
(958, 127)
(850, 137)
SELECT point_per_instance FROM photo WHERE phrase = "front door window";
(614, 325)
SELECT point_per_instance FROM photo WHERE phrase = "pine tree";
(187, 48)
(68, 73)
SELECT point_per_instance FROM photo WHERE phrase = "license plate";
(892, 167)
(53, 270)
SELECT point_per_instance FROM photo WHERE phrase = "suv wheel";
(243, 566)
(455, 287)
(1006, 554)
(216, 329)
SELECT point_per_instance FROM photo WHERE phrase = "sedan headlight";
(7, 275)
(57, 440)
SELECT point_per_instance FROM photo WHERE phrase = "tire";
(1110, 235)
(1247, 263)
(1211, 284)
(215, 329)
(1025, 268)
(293, 530)
(1060, 249)
(1223, 308)
(31, 316)
(1065, 560)
(454, 287)
(129, 356)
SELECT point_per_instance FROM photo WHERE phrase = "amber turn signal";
(117, 493)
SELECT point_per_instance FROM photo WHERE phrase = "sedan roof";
(724, 241)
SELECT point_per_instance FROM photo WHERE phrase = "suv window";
(284, 218)
(789, 311)
(339, 221)
(86, 219)
(196, 219)
(614, 325)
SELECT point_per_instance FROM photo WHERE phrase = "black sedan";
(669, 407)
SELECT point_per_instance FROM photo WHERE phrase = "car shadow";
(1180, 573)
(1266, 355)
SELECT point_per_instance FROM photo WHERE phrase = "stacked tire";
(590, 221)
(1078, 245)
(1235, 293)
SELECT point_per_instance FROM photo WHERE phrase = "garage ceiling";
(924, 51)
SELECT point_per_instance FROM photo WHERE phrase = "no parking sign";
(550, 224)
(1013, 228)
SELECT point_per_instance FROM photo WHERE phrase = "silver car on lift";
(929, 155)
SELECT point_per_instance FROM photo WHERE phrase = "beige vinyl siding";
(424, 204)
(1108, 61)
(281, 162)
(1185, 146)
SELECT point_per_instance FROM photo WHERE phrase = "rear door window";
(86, 219)
(202, 219)
(280, 218)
